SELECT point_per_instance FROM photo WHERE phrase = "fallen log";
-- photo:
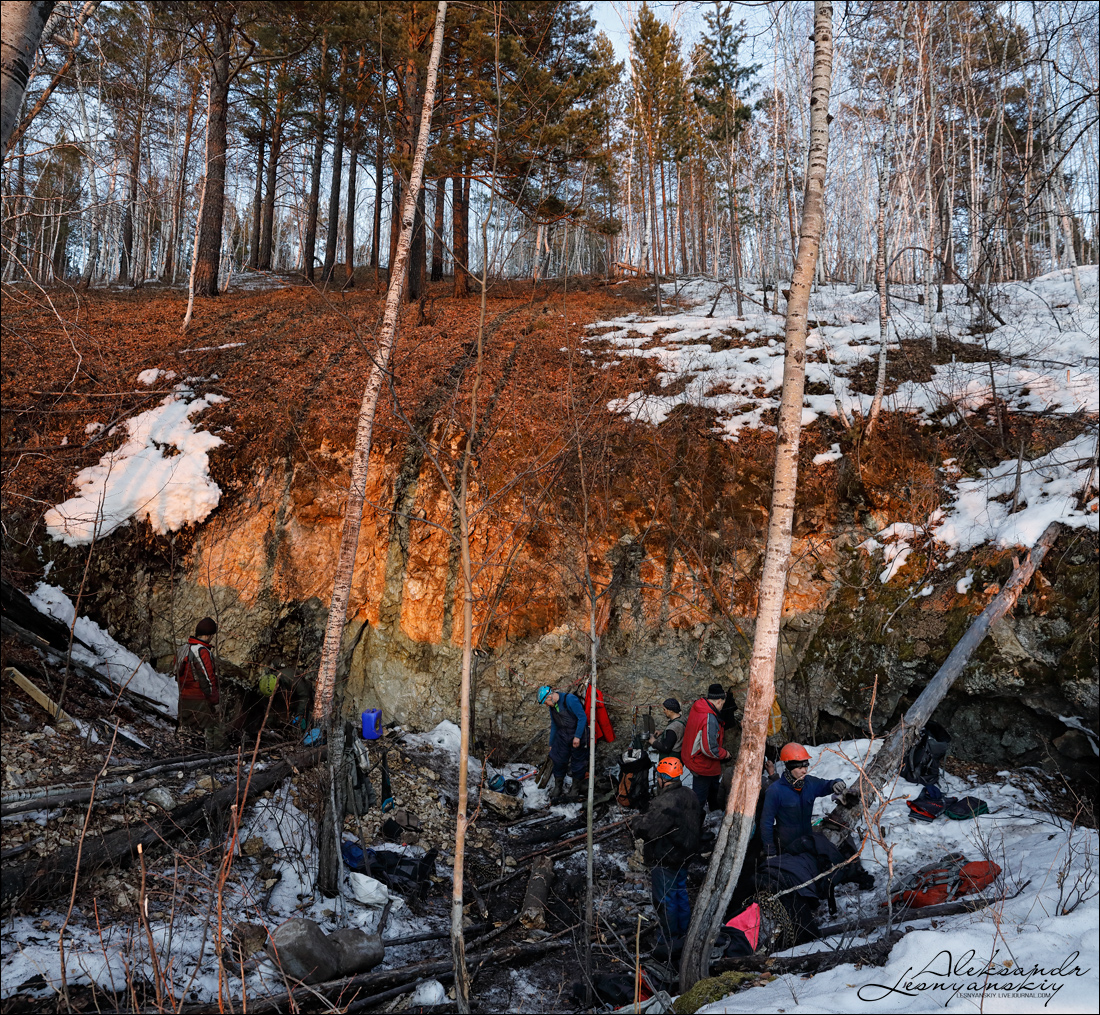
(885, 765)
(51, 707)
(873, 954)
(902, 913)
(65, 796)
(51, 876)
(349, 990)
(533, 911)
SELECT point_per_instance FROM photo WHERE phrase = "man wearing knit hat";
(669, 743)
(702, 750)
(198, 685)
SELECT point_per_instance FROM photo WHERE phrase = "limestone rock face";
(668, 627)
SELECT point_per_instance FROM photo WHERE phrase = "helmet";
(269, 682)
(794, 752)
(670, 768)
(544, 693)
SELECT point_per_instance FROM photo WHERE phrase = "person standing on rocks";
(198, 686)
(670, 832)
(702, 751)
(669, 743)
(568, 738)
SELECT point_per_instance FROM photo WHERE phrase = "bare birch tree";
(733, 836)
(21, 29)
(329, 867)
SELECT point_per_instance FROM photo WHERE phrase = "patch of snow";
(106, 655)
(962, 586)
(832, 455)
(140, 481)
(428, 993)
(1050, 487)
(151, 376)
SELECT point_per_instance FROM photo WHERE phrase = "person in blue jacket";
(568, 738)
(786, 823)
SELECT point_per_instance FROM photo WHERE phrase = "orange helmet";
(794, 752)
(670, 768)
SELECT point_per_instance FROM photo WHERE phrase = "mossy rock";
(708, 991)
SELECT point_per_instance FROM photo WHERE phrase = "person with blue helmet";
(568, 738)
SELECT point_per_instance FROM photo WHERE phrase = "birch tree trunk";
(328, 874)
(20, 31)
(733, 837)
(881, 260)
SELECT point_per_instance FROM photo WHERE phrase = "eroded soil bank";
(667, 520)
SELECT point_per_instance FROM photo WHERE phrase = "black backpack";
(922, 761)
(633, 786)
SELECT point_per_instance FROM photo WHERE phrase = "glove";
(840, 787)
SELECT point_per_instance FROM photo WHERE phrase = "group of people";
(201, 702)
(671, 828)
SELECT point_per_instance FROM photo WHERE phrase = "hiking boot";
(557, 789)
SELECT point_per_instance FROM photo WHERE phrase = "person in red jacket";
(702, 750)
(198, 685)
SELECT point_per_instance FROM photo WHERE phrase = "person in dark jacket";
(670, 831)
(198, 686)
(669, 743)
(568, 738)
(702, 751)
(786, 822)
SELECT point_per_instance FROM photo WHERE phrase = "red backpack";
(952, 877)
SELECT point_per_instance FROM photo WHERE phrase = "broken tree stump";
(885, 765)
(533, 913)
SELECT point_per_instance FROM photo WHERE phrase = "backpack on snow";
(965, 807)
(922, 761)
(928, 806)
(952, 877)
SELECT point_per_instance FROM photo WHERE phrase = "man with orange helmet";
(670, 833)
(786, 824)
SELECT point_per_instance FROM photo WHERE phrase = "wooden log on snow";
(52, 876)
(66, 796)
(885, 765)
(901, 913)
(873, 954)
(533, 912)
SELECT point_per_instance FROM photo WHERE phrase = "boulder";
(354, 951)
(306, 953)
(303, 952)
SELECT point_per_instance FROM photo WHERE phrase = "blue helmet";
(544, 692)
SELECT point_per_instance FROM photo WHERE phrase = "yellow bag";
(775, 720)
